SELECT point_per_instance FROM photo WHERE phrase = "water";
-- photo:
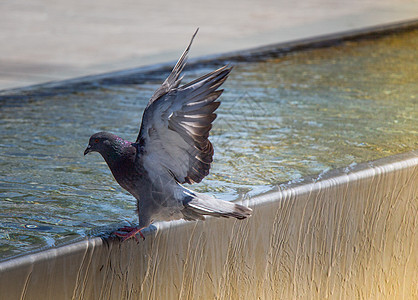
(280, 120)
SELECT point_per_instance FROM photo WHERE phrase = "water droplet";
(30, 226)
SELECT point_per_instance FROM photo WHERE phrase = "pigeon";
(172, 149)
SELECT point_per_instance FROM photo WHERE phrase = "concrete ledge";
(349, 235)
(45, 40)
(254, 54)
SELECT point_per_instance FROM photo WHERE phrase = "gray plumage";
(172, 148)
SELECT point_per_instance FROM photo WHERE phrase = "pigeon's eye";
(96, 141)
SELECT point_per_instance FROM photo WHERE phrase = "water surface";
(280, 120)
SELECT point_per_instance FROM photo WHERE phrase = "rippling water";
(280, 120)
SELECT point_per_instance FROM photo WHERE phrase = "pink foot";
(130, 232)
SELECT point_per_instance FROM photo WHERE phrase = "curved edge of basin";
(349, 233)
(259, 53)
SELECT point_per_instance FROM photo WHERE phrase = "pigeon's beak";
(88, 150)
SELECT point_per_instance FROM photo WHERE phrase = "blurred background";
(45, 40)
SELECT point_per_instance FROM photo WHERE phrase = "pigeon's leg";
(130, 232)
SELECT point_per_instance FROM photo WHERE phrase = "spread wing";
(175, 126)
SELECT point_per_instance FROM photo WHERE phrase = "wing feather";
(174, 79)
(175, 127)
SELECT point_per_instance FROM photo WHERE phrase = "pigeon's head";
(101, 142)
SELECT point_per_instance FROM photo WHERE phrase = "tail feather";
(200, 205)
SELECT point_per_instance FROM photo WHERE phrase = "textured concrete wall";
(351, 236)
